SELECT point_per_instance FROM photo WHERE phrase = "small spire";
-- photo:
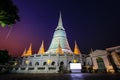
(59, 49)
(60, 24)
(41, 50)
(29, 51)
(23, 54)
(76, 49)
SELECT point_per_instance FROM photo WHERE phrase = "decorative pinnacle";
(60, 24)
(59, 49)
(76, 49)
(41, 50)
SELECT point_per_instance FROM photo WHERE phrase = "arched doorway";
(69, 62)
(44, 63)
(53, 63)
(61, 67)
(30, 64)
(61, 63)
(37, 63)
(101, 65)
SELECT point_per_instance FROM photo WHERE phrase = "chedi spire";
(28, 52)
(59, 36)
(76, 49)
(41, 50)
(60, 23)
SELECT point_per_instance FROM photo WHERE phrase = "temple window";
(61, 63)
(53, 63)
(30, 68)
(37, 63)
(30, 64)
(44, 63)
(69, 62)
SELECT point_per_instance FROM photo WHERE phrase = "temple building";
(56, 59)
(60, 58)
(99, 61)
(114, 57)
(107, 60)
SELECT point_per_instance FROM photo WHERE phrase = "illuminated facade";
(115, 57)
(99, 61)
(56, 59)
(102, 60)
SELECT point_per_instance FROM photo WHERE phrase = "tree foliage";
(8, 13)
(4, 56)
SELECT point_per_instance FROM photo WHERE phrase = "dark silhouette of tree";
(8, 13)
(4, 57)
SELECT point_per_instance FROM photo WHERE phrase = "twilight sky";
(92, 23)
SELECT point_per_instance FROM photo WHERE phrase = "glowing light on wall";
(75, 61)
(15, 63)
(26, 61)
(48, 61)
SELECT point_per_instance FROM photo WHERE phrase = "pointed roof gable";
(60, 23)
(76, 49)
(41, 50)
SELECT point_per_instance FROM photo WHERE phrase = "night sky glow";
(92, 23)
